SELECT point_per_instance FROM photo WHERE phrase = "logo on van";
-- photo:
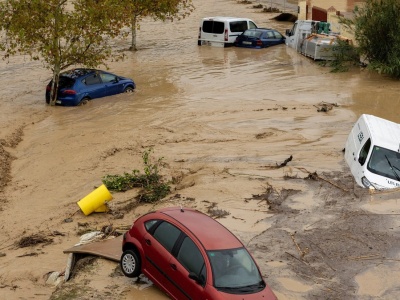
(360, 136)
(393, 183)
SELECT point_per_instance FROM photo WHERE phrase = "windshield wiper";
(393, 169)
(246, 288)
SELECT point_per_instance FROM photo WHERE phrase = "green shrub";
(151, 183)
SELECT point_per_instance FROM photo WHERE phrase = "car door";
(188, 259)
(157, 248)
(279, 38)
(270, 38)
(111, 84)
(94, 87)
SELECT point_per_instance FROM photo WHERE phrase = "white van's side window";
(238, 26)
(252, 25)
(364, 152)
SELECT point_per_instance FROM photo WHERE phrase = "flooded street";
(222, 119)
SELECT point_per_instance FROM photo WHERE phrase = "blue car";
(259, 38)
(77, 86)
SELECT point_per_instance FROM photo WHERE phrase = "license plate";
(246, 43)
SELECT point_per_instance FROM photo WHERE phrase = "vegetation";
(345, 56)
(153, 188)
(136, 10)
(60, 33)
(376, 26)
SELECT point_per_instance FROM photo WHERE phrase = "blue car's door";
(111, 84)
(271, 38)
(94, 87)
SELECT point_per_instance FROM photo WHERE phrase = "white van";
(373, 153)
(222, 31)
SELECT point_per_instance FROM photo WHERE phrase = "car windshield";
(385, 162)
(234, 271)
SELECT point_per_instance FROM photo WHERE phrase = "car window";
(190, 256)
(92, 79)
(252, 25)
(270, 35)
(65, 82)
(238, 26)
(252, 33)
(278, 35)
(149, 224)
(106, 77)
(364, 152)
(385, 162)
(213, 27)
(233, 268)
(167, 234)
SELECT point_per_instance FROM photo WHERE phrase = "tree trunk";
(57, 59)
(54, 85)
(133, 29)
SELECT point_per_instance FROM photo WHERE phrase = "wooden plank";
(109, 249)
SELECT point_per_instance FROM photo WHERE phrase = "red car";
(191, 256)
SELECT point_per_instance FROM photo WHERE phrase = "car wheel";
(130, 263)
(84, 101)
(128, 89)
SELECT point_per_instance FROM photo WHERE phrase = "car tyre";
(130, 263)
(84, 101)
(128, 89)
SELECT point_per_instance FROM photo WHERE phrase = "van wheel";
(198, 43)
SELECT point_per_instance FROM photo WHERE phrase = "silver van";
(222, 31)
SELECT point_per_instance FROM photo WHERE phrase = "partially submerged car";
(259, 38)
(189, 255)
(372, 152)
(77, 86)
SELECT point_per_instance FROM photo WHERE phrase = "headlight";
(367, 183)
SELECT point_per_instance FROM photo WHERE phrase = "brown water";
(200, 108)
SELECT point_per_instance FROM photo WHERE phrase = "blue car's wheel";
(84, 101)
(128, 89)
(130, 263)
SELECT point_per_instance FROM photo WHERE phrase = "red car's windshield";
(234, 269)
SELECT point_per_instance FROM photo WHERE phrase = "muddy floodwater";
(223, 120)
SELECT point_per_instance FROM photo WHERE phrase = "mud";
(224, 121)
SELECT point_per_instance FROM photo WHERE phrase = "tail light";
(69, 92)
(48, 88)
(226, 35)
(259, 43)
(199, 32)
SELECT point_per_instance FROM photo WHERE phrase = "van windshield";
(385, 162)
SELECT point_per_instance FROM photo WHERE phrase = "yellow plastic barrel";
(95, 201)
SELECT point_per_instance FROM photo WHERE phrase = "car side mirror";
(288, 32)
(196, 278)
(116, 79)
